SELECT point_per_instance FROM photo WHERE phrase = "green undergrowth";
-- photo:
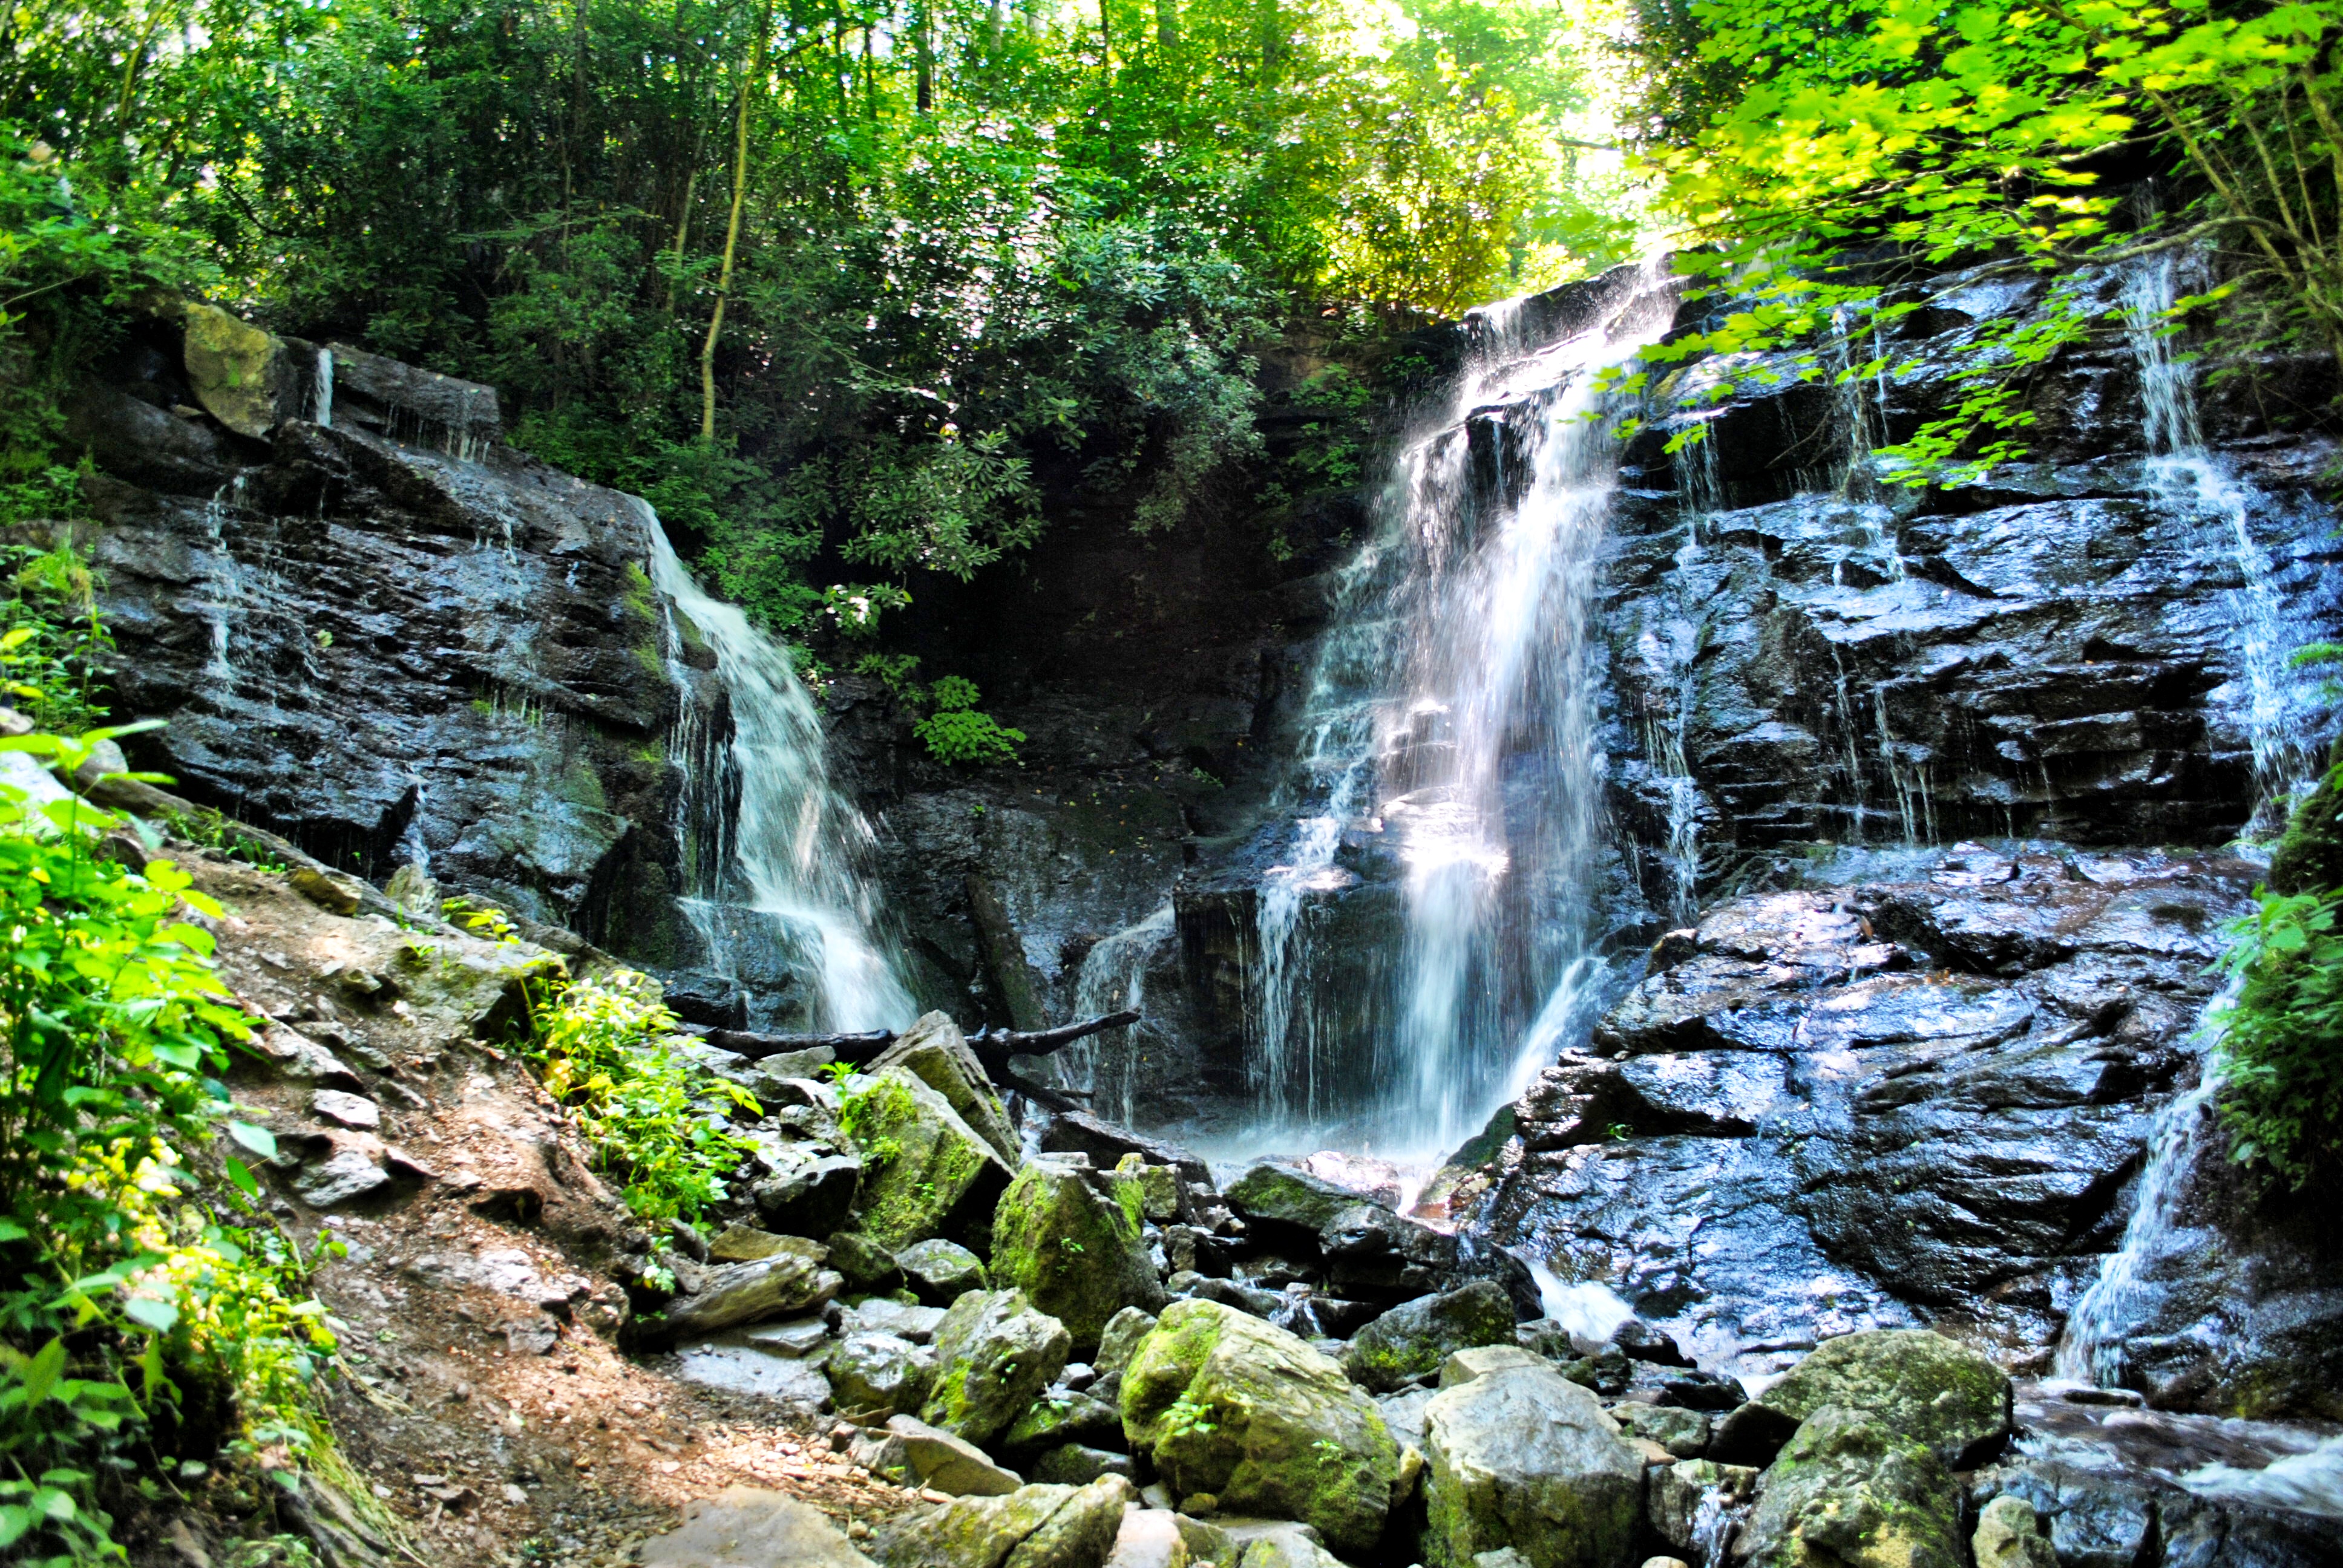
(156, 1326)
(2281, 1063)
(608, 1047)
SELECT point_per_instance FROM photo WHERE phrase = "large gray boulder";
(1031, 1527)
(994, 1355)
(873, 1375)
(748, 1527)
(948, 1463)
(1848, 1490)
(789, 1280)
(934, 1049)
(925, 1171)
(1225, 1404)
(1918, 1385)
(939, 1271)
(1078, 1255)
(1412, 1339)
(1519, 1456)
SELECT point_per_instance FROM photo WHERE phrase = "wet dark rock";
(1889, 1103)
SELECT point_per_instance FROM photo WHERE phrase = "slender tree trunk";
(755, 68)
(1167, 24)
(924, 43)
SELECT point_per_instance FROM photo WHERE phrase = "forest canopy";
(830, 274)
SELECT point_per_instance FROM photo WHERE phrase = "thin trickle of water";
(1451, 717)
(1113, 979)
(227, 586)
(321, 390)
(1713, 1520)
(769, 850)
(2092, 1349)
(2197, 483)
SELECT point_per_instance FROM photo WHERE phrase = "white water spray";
(2199, 484)
(770, 849)
(1450, 716)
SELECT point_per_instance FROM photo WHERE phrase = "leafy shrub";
(955, 732)
(2281, 1063)
(606, 1047)
(116, 1027)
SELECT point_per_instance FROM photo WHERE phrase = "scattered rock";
(809, 1191)
(2009, 1535)
(950, 1464)
(941, 1179)
(935, 1050)
(940, 1272)
(1412, 1340)
(994, 1355)
(1224, 1404)
(747, 1527)
(745, 1244)
(880, 1315)
(329, 890)
(1149, 1538)
(1072, 1464)
(1916, 1384)
(343, 1177)
(1682, 1432)
(1847, 1490)
(1117, 1342)
(1063, 1416)
(789, 1280)
(971, 1531)
(872, 1376)
(1674, 1494)
(348, 1109)
(1077, 1255)
(1519, 1456)
(863, 1263)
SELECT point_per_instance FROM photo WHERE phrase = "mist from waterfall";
(769, 850)
(1450, 722)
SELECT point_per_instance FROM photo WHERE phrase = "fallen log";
(993, 1047)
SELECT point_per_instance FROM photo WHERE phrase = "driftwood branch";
(993, 1047)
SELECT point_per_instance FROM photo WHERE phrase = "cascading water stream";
(768, 848)
(2195, 482)
(1451, 719)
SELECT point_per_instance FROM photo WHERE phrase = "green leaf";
(158, 1315)
(42, 1373)
(259, 1140)
(239, 1174)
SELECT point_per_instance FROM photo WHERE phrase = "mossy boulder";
(1412, 1339)
(939, 1271)
(1284, 1196)
(1226, 1404)
(234, 368)
(1078, 1255)
(994, 1355)
(934, 1051)
(1031, 1527)
(1849, 1492)
(1061, 1417)
(925, 1173)
(873, 1375)
(1916, 1384)
(1520, 1457)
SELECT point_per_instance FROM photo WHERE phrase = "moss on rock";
(1848, 1492)
(1081, 1258)
(1918, 1385)
(1227, 1404)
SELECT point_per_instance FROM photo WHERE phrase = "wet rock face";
(1914, 1101)
(387, 652)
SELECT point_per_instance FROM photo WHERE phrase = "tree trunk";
(755, 68)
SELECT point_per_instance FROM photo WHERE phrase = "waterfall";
(1113, 979)
(321, 390)
(1451, 720)
(2196, 483)
(2092, 1347)
(769, 850)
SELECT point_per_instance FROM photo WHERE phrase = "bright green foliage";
(115, 1028)
(957, 732)
(2281, 1062)
(606, 1047)
(1856, 145)
(988, 257)
(60, 662)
